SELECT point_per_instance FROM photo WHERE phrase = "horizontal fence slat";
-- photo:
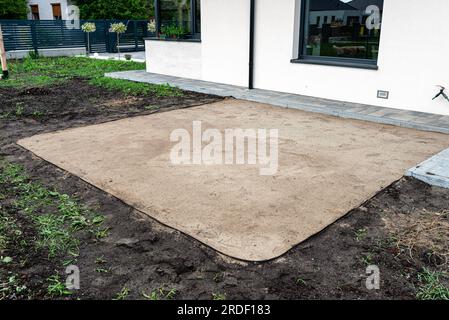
(33, 35)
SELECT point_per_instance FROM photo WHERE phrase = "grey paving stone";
(403, 118)
(434, 171)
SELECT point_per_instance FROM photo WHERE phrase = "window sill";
(171, 39)
(345, 64)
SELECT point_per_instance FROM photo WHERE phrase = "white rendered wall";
(413, 57)
(223, 54)
(45, 8)
(225, 41)
(174, 58)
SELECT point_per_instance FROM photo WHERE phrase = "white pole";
(3, 56)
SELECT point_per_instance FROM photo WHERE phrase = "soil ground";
(234, 208)
(403, 230)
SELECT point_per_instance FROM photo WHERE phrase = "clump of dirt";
(35, 91)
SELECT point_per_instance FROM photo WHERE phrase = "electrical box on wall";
(382, 94)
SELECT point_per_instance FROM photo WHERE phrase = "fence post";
(110, 41)
(145, 30)
(61, 22)
(136, 40)
(3, 57)
(34, 37)
(85, 38)
(106, 35)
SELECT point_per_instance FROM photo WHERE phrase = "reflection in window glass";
(176, 13)
(198, 16)
(342, 28)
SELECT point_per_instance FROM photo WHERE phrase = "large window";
(341, 31)
(179, 16)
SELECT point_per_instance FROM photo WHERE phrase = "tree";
(13, 9)
(116, 9)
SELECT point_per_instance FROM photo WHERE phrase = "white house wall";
(174, 58)
(413, 57)
(225, 41)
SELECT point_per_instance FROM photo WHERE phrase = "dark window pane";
(198, 16)
(343, 28)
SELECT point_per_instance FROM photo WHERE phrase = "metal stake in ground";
(3, 56)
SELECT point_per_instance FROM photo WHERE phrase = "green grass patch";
(136, 88)
(57, 217)
(49, 71)
(430, 287)
(44, 71)
(8, 231)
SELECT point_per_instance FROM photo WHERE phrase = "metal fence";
(33, 35)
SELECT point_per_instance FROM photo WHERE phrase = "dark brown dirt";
(143, 255)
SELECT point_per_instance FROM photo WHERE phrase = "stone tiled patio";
(403, 118)
(434, 171)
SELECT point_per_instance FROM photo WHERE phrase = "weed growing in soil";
(301, 281)
(100, 233)
(160, 294)
(367, 259)
(218, 277)
(55, 220)
(360, 234)
(56, 288)
(123, 294)
(431, 287)
(101, 270)
(218, 296)
(100, 260)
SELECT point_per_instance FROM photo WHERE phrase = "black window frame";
(327, 61)
(195, 34)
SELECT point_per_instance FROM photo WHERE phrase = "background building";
(48, 9)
